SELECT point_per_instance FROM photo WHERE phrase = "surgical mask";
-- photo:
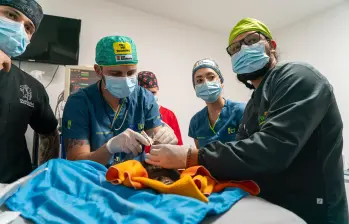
(157, 100)
(250, 58)
(120, 87)
(13, 38)
(209, 91)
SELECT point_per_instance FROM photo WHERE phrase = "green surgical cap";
(116, 50)
(246, 25)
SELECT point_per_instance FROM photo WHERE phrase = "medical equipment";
(150, 140)
(77, 77)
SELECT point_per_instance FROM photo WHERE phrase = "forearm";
(193, 157)
(101, 156)
(49, 147)
(79, 149)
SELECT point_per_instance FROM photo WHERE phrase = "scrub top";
(88, 116)
(23, 101)
(225, 128)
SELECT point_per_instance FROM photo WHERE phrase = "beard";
(244, 78)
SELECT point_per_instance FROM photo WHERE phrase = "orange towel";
(195, 182)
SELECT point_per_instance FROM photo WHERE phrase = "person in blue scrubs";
(220, 119)
(103, 121)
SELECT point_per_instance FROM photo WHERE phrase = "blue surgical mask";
(209, 91)
(120, 87)
(13, 38)
(156, 98)
(250, 58)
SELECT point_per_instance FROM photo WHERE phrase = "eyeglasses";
(248, 40)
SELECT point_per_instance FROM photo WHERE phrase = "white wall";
(167, 48)
(323, 41)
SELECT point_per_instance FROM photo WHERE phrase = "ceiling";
(221, 15)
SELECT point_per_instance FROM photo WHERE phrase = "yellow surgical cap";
(246, 25)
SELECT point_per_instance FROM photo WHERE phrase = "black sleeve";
(299, 99)
(247, 113)
(43, 120)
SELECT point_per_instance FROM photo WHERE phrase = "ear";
(273, 45)
(98, 70)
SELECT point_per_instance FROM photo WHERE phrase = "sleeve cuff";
(153, 124)
(201, 157)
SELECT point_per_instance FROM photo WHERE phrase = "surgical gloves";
(168, 156)
(165, 136)
(127, 142)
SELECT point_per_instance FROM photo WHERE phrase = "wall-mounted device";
(77, 77)
(57, 41)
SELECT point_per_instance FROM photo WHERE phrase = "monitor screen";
(56, 42)
(78, 78)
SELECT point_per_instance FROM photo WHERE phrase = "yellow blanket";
(195, 182)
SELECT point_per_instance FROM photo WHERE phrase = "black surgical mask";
(244, 78)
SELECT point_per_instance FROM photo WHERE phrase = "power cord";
(52, 77)
(58, 115)
(60, 99)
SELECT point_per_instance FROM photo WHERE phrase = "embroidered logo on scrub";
(231, 131)
(261, 119)
(69, 124)
(27, 96)
(140, 127)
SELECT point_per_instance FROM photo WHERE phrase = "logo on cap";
(122, 48)
(124, 57)
(205, 62)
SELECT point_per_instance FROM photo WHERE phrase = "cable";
(52, 77)
(59, 101)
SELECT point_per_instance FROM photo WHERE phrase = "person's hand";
(165, 136)
(168, 156)
(5, 62)
(127, 142)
